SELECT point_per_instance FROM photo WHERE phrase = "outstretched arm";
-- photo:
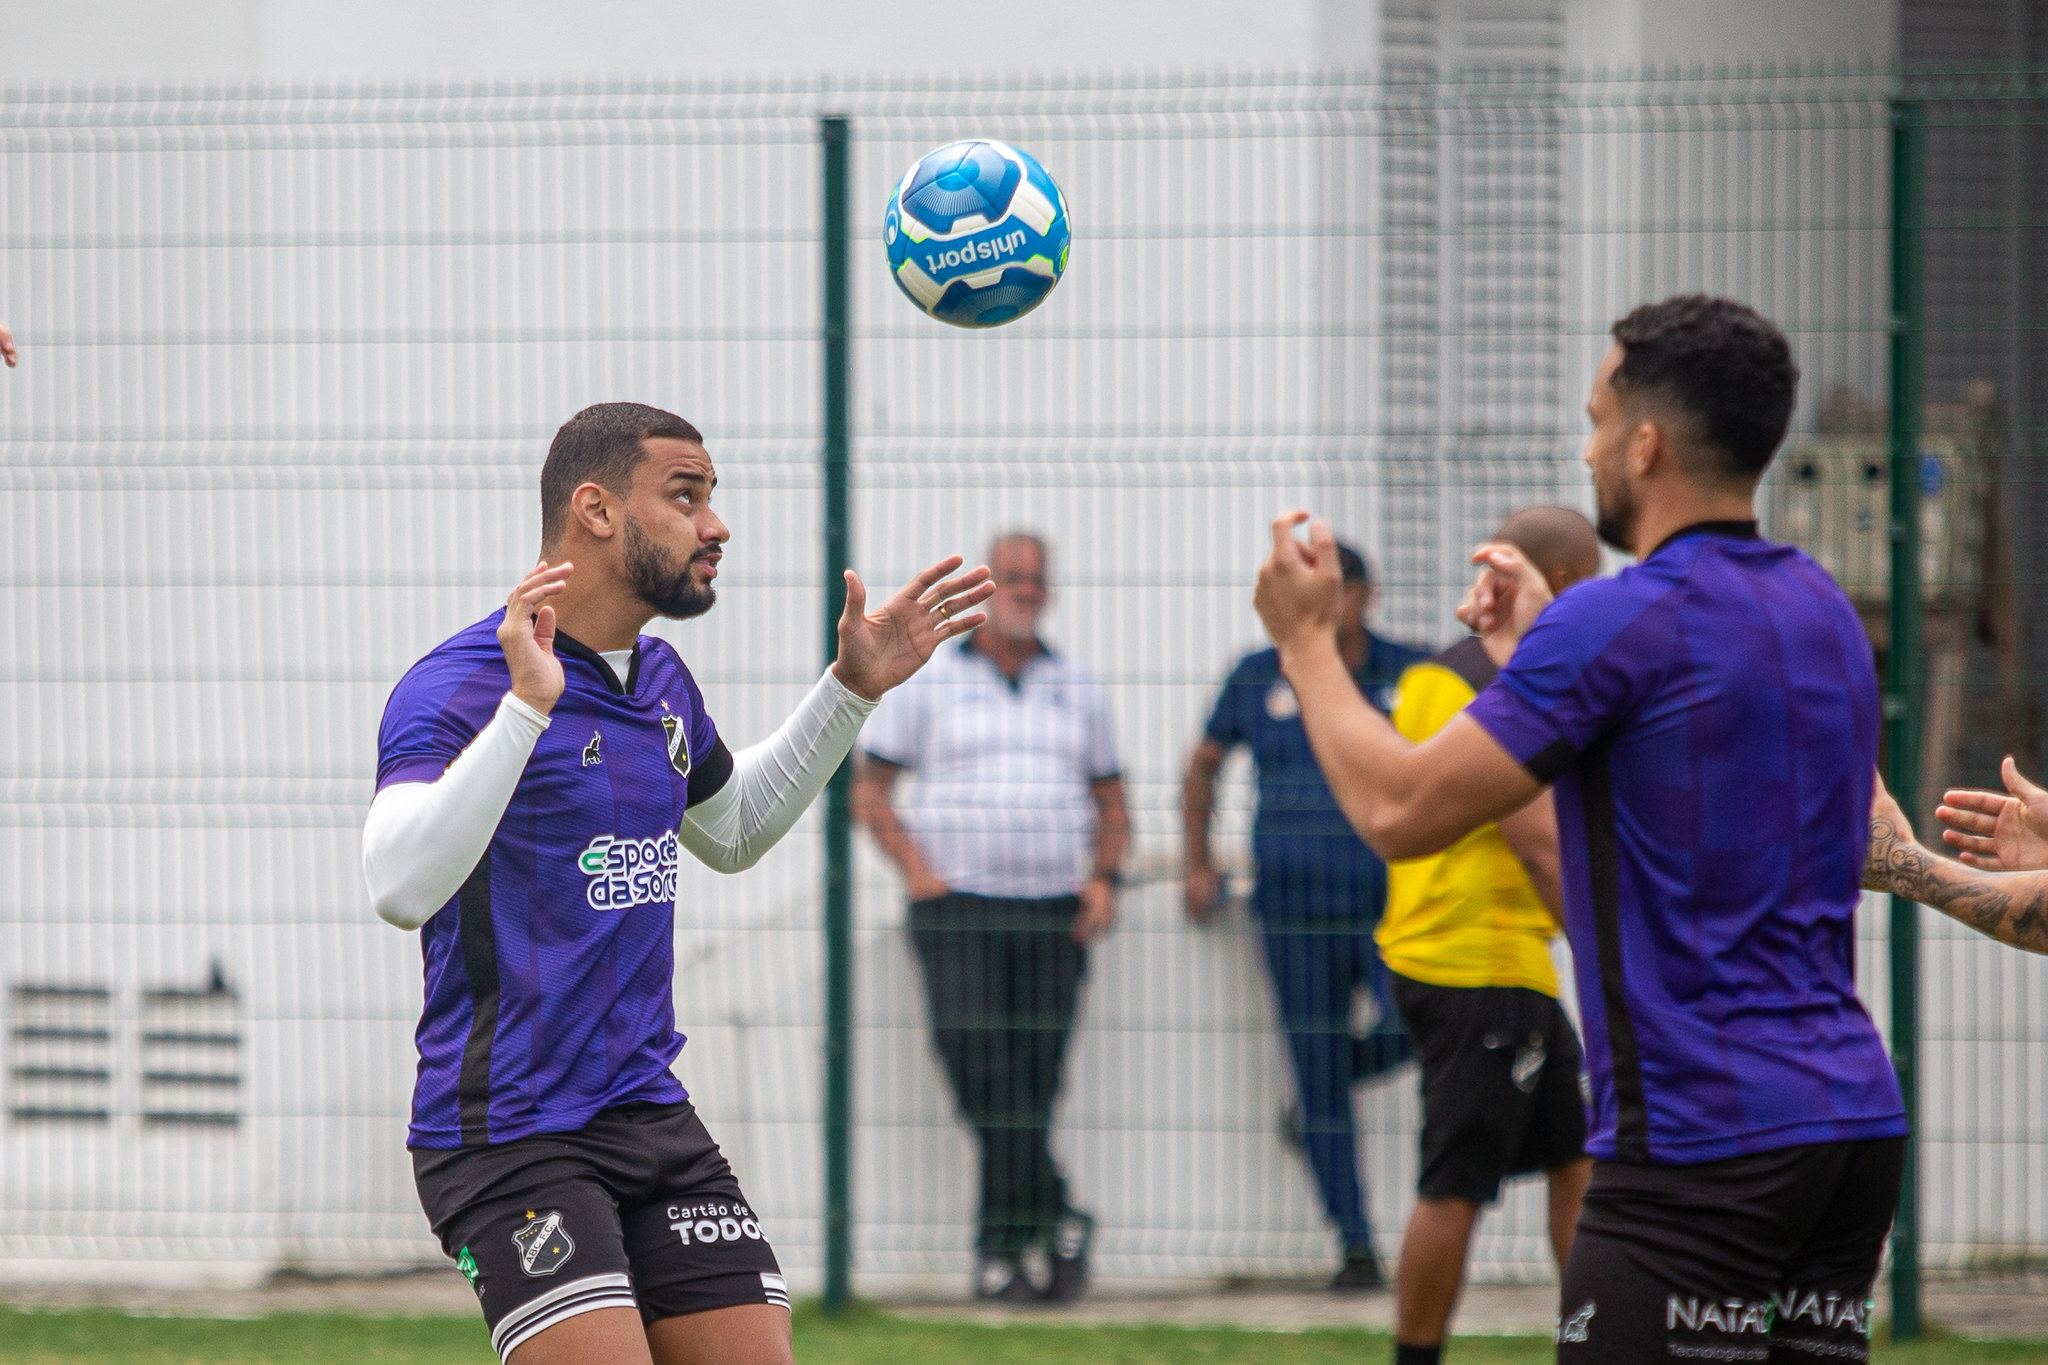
(2011, 907)
(775, 781)
(1406, 800)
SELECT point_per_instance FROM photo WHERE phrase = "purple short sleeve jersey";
(550, 974)
(1710, 720)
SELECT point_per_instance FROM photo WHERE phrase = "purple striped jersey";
(550, 974)
(1710, 719)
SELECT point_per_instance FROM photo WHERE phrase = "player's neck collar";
(565, 643)
(1732, 530)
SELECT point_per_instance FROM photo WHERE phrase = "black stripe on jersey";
(480, 960)
(709, 774)
(568, 644)
(1469, 660)
(1603, 872)
(1550, 762)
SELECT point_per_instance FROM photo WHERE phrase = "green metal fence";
(292, 358)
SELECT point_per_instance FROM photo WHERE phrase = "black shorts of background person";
(1765, 1258)
(1500, 1086)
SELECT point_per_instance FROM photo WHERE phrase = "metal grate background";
(292, 358)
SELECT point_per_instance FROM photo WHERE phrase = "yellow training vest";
(1468, 916)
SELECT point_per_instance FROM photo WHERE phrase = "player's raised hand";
(527, 635)
(1508, 595)
(1300, 593)
(1998, 831)
(879, 649)
(7, 351)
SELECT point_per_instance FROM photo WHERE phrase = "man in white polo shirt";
(1010, 846)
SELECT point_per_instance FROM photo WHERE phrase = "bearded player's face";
(673, 540)
(1607, 457)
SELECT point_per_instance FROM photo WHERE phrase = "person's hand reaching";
(1999, 831)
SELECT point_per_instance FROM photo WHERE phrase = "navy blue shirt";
(550, 976)
(1312, 864)
(1710, 720)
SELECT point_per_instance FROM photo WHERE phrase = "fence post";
(1903, 691)
(839, 793)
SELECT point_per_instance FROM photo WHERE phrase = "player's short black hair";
(1720, 362)
(602, 445)
(1356, 568)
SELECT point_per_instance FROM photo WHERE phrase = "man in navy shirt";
(538, 775)
(1318, 897)
(1709, 719)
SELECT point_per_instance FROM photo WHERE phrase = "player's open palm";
(527, 635)
(881, 648)
(2000, 831)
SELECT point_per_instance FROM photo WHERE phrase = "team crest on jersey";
(593, 752)
(678, 741)
(544, 1244)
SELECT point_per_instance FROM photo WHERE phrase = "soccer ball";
(977, 234)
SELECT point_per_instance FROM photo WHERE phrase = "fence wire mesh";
(292, 358)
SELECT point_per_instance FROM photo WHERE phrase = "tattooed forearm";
(2011, 907)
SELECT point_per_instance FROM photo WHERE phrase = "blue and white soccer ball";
(977, 234)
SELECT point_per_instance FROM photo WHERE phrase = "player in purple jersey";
(1708, 718)
(539, 775)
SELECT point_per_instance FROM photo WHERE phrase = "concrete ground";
(2003, 1306)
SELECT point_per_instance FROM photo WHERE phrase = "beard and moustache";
(1614, 514)
(659, 580)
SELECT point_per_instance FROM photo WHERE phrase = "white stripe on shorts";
(559, 1305)
(775, 1289)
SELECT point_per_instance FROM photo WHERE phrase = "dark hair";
(602, 445)
(1354, 565)
(1719, 361)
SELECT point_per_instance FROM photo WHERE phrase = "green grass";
(865, 1337)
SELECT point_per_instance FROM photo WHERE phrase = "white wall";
(96, 41)
(313, 40)
(1624, 33)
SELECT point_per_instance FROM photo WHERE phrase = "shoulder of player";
(1584, 621)
(1798, 561)
(1817, 589)
(656, 652)
(1613, 600)
(470, 653)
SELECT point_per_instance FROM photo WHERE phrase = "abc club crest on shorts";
(544, 1244)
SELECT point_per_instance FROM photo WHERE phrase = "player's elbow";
(723, 858)
(398, 910)
(1395, 831)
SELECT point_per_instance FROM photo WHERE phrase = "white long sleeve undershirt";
(422, 839)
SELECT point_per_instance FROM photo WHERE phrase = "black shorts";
(1500, 1086)
(637, 1209)
(1757, 1258)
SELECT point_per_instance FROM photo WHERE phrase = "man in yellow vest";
(1467, 935)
